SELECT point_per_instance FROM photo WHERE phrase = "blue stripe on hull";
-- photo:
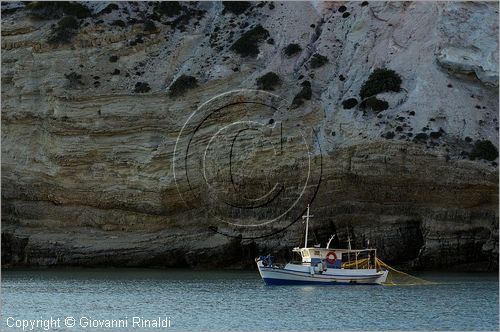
(360, 277)
(274, 281)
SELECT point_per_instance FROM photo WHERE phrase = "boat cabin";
(338, 258)
(335, 258)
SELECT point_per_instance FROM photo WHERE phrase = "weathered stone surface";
(88, 166)
(465, 48)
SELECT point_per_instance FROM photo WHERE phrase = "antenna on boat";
(348, 239)
(348, 246)
(306, 217)
(330, 240)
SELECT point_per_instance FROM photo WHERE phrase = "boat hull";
(294, 274)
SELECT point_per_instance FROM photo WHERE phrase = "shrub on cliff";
(149, 26)
(304, 94)
(53, 9)
(74, 79)
(292, 49)
(8, 11)
(186, 15)
(118, 23)
(381, 80)
(235, 7)
(141, 87)
(318, 60)
(109, 8)
(68, 22)
(247, 44)
(389, 135)
(420, 137)
(349, 103)
(181, 85)
(436, 134)
(76, 9)
(168, 8)
(484, 150)
(375, 104)
(64, 31)
(268, 81)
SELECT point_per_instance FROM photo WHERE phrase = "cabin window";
(306, 253)
(316, 252)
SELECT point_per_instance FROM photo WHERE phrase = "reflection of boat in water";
(324, 266)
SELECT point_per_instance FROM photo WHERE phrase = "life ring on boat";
(329, 259)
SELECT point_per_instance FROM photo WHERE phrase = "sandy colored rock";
(88, 164)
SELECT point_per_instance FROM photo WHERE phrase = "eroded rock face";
(91, 134)
(466, 49)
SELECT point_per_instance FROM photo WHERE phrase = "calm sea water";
(239, 301)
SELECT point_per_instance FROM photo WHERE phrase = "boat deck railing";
(362, 264)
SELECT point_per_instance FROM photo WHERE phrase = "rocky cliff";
(133, 134)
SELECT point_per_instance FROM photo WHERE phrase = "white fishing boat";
(323, 266)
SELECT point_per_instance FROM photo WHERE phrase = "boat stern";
(383, 277)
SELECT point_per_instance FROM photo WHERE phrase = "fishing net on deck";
(400, 278)
(394, 278)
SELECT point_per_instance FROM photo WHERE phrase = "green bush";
(7, 11)
(375, 104)
(109, 8)
(181, 85)
(381, 80)
(435, 134)
(420, 137)
(268, 81)
(76, 9)
(119, 23)
(141, 87)
(484, 150)
(304, 94)
(52, 9)
(168, 8)
(318, 60)
(235, 7)
(389, 135)
(349, 103)
(182, 21)
(68, 22)
(247, 44)
(292, 49)
(74, 79)
(149, 26)
(64, 31)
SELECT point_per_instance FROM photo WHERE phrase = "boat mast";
(348, 246)
(330, 240)
(306, 217)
